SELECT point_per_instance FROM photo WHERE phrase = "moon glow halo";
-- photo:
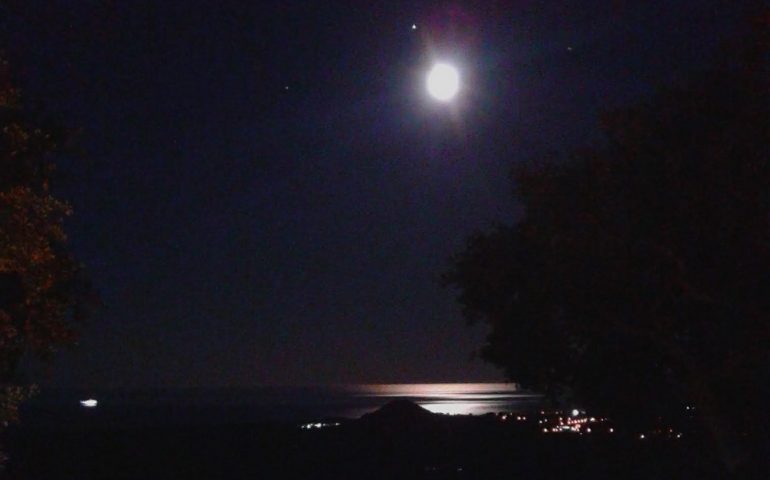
(443, 82)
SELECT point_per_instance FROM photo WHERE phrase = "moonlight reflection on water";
(453, 398)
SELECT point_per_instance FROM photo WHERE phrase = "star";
(414, 26)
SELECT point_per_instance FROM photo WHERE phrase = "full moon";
(443, 82)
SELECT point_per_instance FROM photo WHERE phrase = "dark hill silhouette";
(402, 416)
(398, 411)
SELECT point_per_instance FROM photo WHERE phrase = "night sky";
(267, 194)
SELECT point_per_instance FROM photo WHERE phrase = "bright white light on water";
(454, 407)
(443, 82)
(90, 403)
(450, 398)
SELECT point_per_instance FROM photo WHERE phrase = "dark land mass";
(401, 440)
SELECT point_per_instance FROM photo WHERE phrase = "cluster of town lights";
(576, 421)
(310, 426)
(573, 424)
(518, 418)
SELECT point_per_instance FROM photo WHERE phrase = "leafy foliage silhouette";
(638, 280)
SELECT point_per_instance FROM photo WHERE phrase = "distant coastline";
(273, 403)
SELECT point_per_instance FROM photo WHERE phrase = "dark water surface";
(231, 405)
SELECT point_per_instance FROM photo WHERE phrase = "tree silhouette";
(40, 282)
(638, 281)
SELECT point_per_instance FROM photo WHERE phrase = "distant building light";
(90, 403)
(309, 426)
(575, 412)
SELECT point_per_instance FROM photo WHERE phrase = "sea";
(186, 406)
